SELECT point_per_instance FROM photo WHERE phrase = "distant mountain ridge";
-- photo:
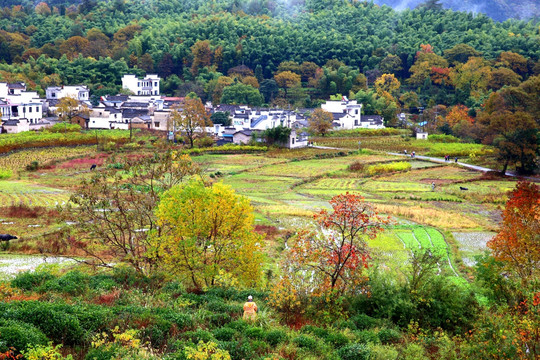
(499, 10)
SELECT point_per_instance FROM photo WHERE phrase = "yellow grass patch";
(433, 217)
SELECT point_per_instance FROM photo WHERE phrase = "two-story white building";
(78, 92)
(149, 85)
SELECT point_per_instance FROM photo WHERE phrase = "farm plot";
(420, 237)
(233, 162)
(19, 160)
(305, 169)
(19, 192)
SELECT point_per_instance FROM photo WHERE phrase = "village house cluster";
(146, 108)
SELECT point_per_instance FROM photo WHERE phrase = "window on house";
(155, 84)
(29, 109)
(37, 109)
(355, 122)
(293, 141)
(156, 124)
(53, 94)
(356, 111)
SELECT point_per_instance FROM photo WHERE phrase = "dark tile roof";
(120, 98)
(131, 113)
(16, 86)
(134, 104)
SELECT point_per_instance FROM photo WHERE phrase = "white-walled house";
(78, 92)
(149, 85)
(15, 126)
(102, 116)
(297, 140)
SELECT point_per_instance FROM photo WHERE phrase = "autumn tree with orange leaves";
(518, 242)
(336, 256)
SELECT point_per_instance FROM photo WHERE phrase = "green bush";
(383, 352)
(19, 335)
(354, 352)
(5, 174)
(198, 335)
(363, 321)
(367, 336)
(102, 353)
(254, 333)
(240, 349)
(224, 334)
(275, 337)
(157, 333)
(51, 319)
(305, 341)
(31, 280)
(337, 339)
(33, 166)
(219, 319)
(387, 335)
(73, 283)
(441, 138)
(182, 321)
(63, 127)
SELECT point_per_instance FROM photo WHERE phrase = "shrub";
(337, 339)
(367, 336)
(414, 352)
(45, 352)
(19, 335)
(63, 127)
(182, 321)
(102, 353)
(224, 334)
(363, 321)
(356, 166)
(387, 335)
(354, 352)
(306, 342)
(51, 319)
(33, 166)
(275, 337)
(5, 174)
(255, 333)
(383, 352)
(219, 319)
(73, 283)
(198, 335)
(238, 349)
(158, 333)
(30, 280)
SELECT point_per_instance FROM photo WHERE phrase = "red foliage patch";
(267, 230)
(97, 159)
(108, 299)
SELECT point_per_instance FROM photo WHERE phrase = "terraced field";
(22, 192)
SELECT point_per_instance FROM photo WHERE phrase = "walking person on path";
(250, 309)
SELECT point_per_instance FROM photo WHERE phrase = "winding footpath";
(442, 161)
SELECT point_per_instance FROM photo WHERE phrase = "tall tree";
(208, 233)
(320, 121)
(114, 211)
(192, 119)
(333, 259)
(518, 242)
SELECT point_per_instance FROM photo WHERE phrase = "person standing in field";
(250, 309)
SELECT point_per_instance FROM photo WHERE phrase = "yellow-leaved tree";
(208, 230)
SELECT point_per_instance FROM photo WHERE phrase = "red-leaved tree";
(518, 242)
(334, 257)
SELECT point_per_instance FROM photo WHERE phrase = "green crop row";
(390, 167)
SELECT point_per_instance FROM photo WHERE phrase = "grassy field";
(286, 187)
